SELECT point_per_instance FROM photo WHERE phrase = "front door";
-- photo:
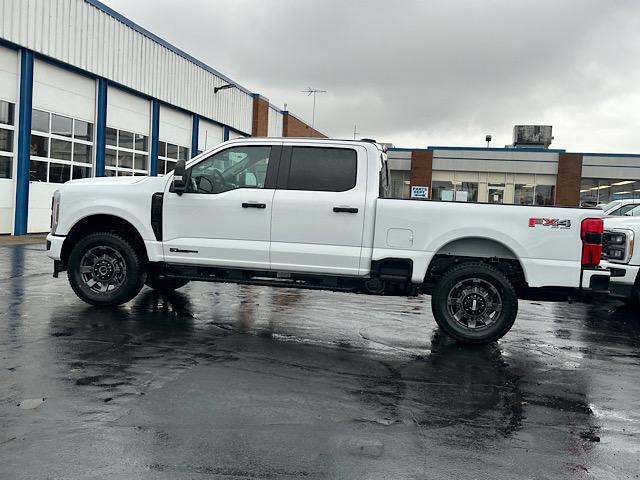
(224, 216)
(319, 209)
(496, 193)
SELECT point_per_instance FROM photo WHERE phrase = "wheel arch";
(477, 248)
(103, 223)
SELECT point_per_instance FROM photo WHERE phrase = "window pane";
(5, 167)
(60, 149)
(112, 137)
(125, 159)
(37, 171)
(6, 112)
(238, 167)
(523, 194)
(162, 167)
(81, 153)
(442, 190)
(141, 142)
(162, 149)
(125, 139)
(6, 140)
(183, 153)
(124, 173)
(172, 151)
(467, 192)
(40, 121)
(83, 130)
(59, 173)
(110, 173)
(322, 169)
(110, 157)
(545, 194)
(81, 172)
(170, 166)
(141, 162)
(61, 125)
(39, 146)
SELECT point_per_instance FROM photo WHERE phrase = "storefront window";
(442, 190)
(598, 191)
(455, 191)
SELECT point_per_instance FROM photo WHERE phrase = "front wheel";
(105, 270)
(474, 303)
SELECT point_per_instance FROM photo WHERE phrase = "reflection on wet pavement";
(226, 381)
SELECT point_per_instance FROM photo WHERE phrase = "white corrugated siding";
(77, 33)
(274, 128)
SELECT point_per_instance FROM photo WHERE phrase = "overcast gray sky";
(431, 72)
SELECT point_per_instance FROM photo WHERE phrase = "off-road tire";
(487, 275)
(165, 284)
(132, 280)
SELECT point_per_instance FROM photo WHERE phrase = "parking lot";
(227, 381)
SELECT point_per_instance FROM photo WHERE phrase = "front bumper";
(623, 278)
(54, 246)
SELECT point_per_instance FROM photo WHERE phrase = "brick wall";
(569, 180)
(294, 127)
(421, 168)
(260, 120)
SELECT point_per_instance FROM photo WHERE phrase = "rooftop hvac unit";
(531, 136)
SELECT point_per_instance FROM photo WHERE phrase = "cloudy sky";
(430, 72)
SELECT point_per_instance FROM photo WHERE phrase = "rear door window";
(322, 169)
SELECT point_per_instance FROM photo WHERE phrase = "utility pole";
(313, 91)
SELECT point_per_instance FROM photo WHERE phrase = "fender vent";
(156, 215)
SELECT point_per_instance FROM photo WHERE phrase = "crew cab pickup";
(622, 257)
(312, 213)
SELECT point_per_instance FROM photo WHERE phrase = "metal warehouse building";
(86, 92)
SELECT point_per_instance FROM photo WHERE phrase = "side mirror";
(180, 177)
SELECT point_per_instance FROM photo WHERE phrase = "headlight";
(617, 245)
(55, 211)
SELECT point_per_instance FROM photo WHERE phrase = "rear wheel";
(105, 270)
(474, 303)
(165, 284)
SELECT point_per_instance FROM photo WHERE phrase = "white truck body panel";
(298, 231)
(630, 225)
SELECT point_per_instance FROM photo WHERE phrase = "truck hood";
(622, 222)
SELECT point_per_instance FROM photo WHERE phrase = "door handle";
(253, 205)
(345, 209)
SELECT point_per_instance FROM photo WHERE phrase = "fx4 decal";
(550, 222)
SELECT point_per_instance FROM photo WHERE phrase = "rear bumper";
(597, 279)
(623, 278)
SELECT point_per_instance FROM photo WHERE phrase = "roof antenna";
(313, 91)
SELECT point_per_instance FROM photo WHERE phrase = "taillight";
(591, 234)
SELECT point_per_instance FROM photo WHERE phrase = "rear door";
(224, 217)
(318, 209)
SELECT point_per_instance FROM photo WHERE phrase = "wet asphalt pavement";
(226, 381)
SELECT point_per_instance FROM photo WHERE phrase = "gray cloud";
(416, 73)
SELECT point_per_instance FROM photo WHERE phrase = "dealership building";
(86, 92)
(526, 173)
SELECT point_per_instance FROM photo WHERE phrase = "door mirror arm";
(179, 184)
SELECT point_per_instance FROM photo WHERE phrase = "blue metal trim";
(497, 149)
(195, 130)
(155, 132)
(101, 127)
(625, 155)
(610, 166)
(24, 142)
(109, 11)
(225, 133)
(496, 159)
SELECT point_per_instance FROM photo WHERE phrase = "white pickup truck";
(312, 213)
(622, 256)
